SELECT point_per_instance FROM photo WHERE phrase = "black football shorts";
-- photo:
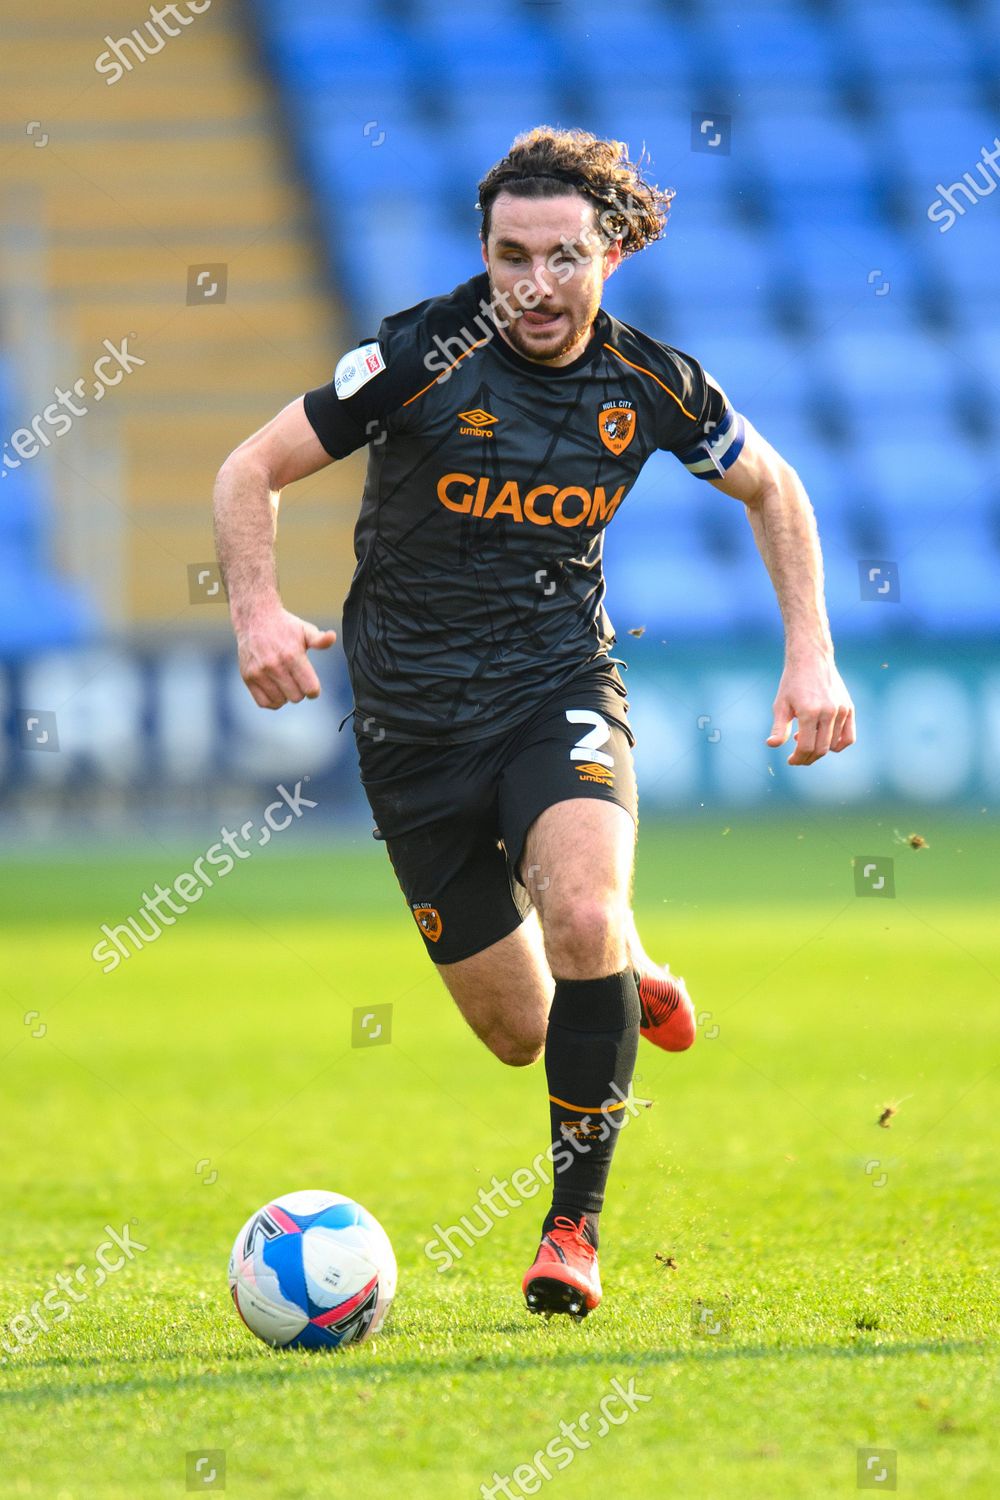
(455, 817)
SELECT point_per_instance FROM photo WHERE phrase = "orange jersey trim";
(643, 371)
(454, 362)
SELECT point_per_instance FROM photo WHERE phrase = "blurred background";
(196, 225)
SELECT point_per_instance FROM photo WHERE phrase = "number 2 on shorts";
(586, 748)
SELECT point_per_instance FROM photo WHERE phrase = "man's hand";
(784, 528)
(813, 691)
(273, 660)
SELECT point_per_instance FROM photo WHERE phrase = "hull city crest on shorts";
(428, 919)
(616, 424)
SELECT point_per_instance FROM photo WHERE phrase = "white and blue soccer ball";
(312, 1270)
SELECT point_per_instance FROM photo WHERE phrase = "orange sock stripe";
(583, 1109)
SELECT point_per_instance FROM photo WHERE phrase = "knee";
(515, 1051)
(585, 935)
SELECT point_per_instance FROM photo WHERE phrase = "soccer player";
(506, 422)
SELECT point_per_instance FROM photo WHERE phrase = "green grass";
(858, 1315)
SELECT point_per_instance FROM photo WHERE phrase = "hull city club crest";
(428, 919)
(616, 424)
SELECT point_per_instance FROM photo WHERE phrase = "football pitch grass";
(785, 1281)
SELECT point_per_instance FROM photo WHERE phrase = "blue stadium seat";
(427, 15)
(654, 121)
(945, 91)
(855, 263)
(816, 154)
(37, 607)
(717, 268)
(768, 373)
(477, 138)
(930, 141)
(382, 280)
(690, 327)
(893, 373)
(915, 41)
(768, 42)
(277, 17)
(978, 358)
(317, 49)
(701, 201)
(960, 254)
(947, 569)
(506, 53)
(915, 472)
(24, 517)
(662, 51)
(662, 573)
(639, 292)
(358, 157)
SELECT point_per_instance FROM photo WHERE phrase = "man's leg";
(583, 850)
(579, 853)
(505, 992)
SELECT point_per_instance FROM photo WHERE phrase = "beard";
(531, 345)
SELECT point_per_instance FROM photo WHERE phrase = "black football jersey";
(479, 587)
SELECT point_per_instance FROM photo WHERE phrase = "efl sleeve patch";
(357, 368)
(718, 449)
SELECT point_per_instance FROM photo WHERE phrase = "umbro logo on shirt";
(477, 422)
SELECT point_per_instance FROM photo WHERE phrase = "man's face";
(547, 270)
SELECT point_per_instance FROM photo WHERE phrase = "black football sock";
(590, 1050)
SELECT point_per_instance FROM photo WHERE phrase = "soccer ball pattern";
(312, 1270)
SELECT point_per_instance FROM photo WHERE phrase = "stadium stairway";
(120, 188)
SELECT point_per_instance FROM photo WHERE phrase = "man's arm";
(784, 528)
(272, 643)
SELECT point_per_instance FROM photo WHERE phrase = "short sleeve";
(374, 383)
(346, 413)
(699, 426)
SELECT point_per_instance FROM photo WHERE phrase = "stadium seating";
(37, 607)
(801, 267)
(179, 167)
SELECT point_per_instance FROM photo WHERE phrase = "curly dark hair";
(548, 162)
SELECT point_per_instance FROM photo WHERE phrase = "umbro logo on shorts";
(591, 771)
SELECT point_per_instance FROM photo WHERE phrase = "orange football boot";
(668, 1018)
(564, 1277)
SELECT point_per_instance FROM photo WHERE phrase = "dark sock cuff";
(609, 1004)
